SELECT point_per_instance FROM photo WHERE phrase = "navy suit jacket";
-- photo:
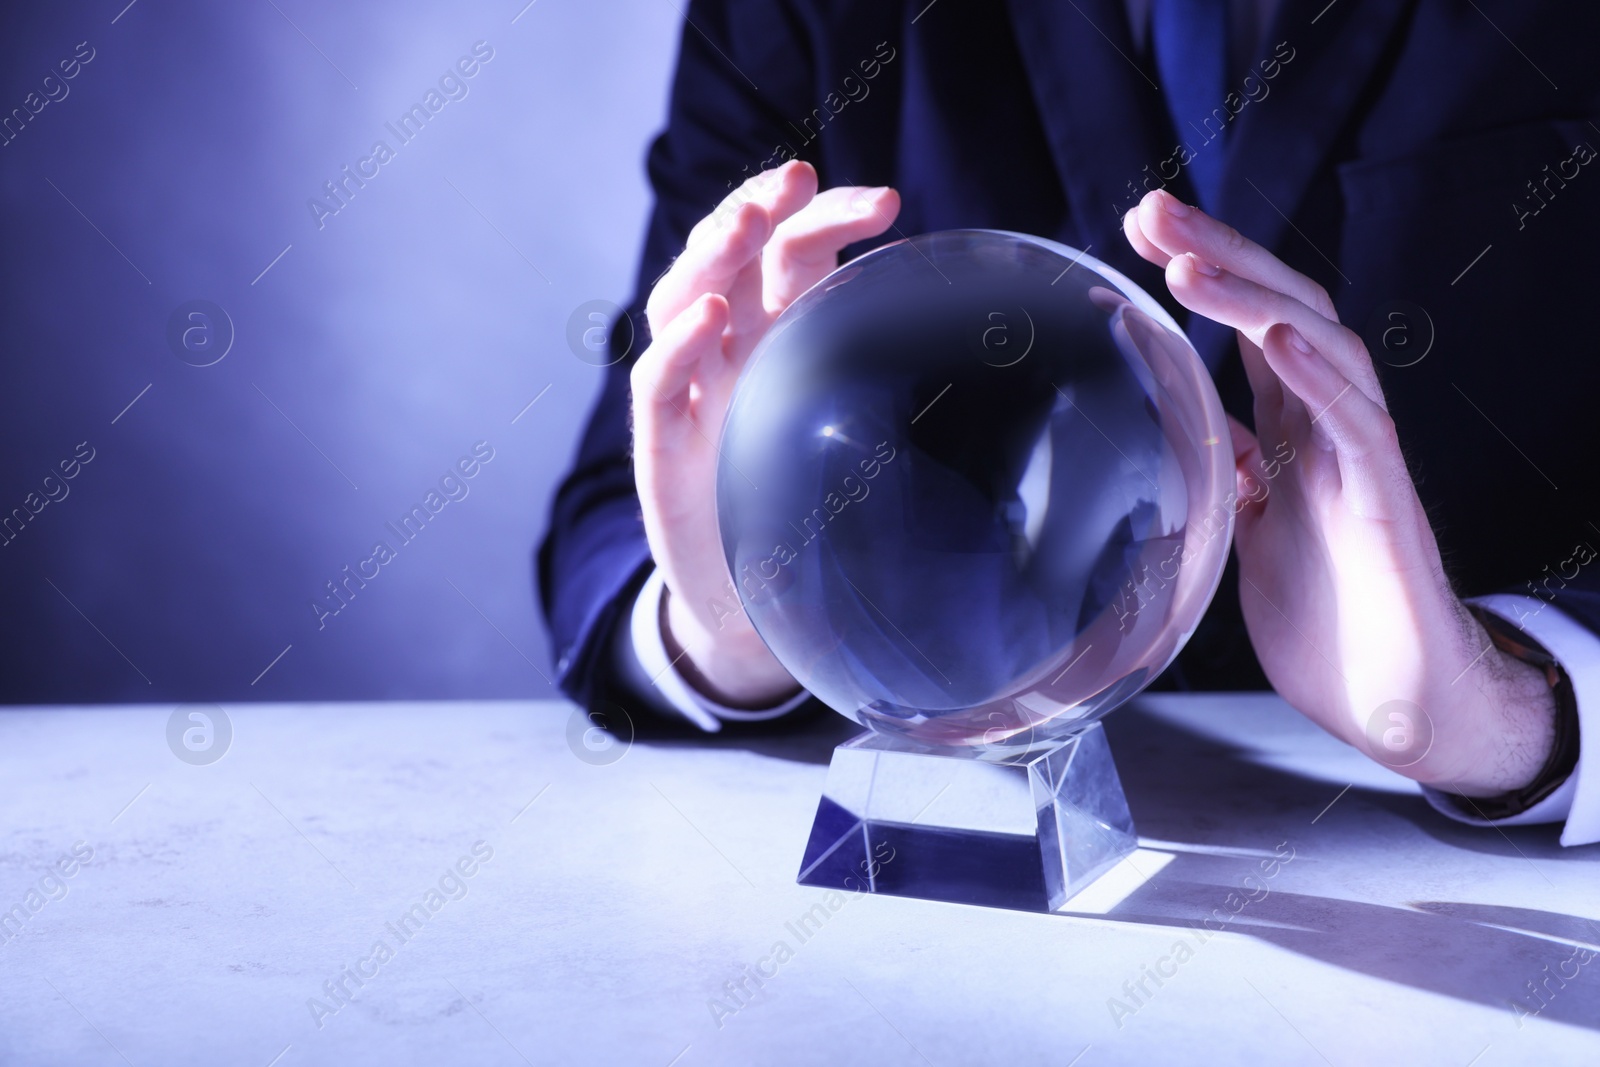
(1427, 161)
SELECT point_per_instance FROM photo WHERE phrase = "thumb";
(1246, 482)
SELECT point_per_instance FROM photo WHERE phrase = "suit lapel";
(1100, 109)
(1109, 133)
(1105, 121)
(1281, 142)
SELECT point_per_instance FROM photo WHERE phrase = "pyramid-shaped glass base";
(1025, 832)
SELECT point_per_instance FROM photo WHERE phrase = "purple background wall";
(371, 355)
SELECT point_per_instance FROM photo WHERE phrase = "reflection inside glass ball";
(975, 489)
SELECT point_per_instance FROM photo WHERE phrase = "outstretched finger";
(1372, 470)
(1264, 383)
(1142, 244)
(726, 242)
(806, 246)
(1253, 309)
(663, 402)
(781, 190)
(710, 265)
(1175, 228)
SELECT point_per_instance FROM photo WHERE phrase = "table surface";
(625, 894)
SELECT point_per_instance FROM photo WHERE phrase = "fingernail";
(1173, 205)
(1298, 342)
(1210, 270)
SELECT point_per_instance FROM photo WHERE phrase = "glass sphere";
(975, 489)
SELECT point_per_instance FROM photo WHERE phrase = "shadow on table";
(1493, 955)
(1187, 787)
(1497, 956)
(1190, 788)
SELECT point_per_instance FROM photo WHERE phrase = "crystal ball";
(976, 489)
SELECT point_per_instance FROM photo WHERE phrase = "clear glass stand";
(1026, 832)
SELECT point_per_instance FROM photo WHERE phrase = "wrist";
(1501, 732)
(727, 662)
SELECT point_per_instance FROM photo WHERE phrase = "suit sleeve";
(722, 127)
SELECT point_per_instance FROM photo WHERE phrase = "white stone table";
(618, 902)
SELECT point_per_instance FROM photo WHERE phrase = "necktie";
(1190, 39)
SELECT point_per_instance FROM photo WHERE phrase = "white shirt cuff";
(641, 654)
(1577, 800)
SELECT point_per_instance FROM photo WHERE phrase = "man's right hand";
(772, 239)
